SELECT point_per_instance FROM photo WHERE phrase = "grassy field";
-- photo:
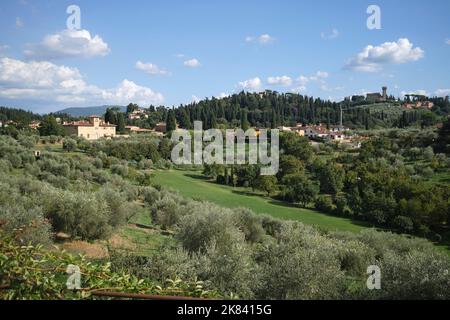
(191, 184)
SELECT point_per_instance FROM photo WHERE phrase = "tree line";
(375, 184)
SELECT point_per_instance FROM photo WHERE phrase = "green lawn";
(141, 233)
(191, 184)
(146, 241)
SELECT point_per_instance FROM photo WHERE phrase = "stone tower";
(384, 95)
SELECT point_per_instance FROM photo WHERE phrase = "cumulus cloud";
(68, 43)
(45, 81)
(333, 35)
(251, 84)
(128, 91)
(319, 76)
(442, 92)
(192, 63)
(298, 89)
(447, 41)
(326, 88)
(195, 99)
(151, 68)
(302, 80)
(262, 39)
(222, 95)
(280, 81)
(373, 58)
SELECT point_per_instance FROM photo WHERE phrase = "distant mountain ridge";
(87, 111)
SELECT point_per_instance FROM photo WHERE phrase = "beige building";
(93, 129)
(136, 129)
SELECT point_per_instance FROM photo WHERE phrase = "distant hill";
(87, 111)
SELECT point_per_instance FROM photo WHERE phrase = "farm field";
(191, 184)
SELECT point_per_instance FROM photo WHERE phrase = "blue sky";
(172, 52)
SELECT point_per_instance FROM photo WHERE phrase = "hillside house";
(316, 131)
(137, 114)
(34, 124)
(93, 129)
(137, 129)
(161, 127)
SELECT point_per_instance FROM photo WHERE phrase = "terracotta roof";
(78, 124)
(86, 124)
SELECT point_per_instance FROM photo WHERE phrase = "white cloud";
(19, 22)
(333, 35)
(447, 41)
(442, 92)
(195, 99)
(326, 88)
(280, 81)
(319, 76)
(302, 80)
(68, 43)
(128, 91)
(34, 74)
(251, 84)
(192, 63)
(373, 58)
(222, 95)
(262, 39)
(179, 55)
(44, 81)
(299, 89)
(265, 38)
(151, 68)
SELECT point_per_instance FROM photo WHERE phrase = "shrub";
(5, 166)
(300, 265)
(167, 212)
(271, 225)
(119, 210)
(324, 203)
(79, 214)
(404, 224)
(30, 223)
(121, 170)
(98, 163)
(14, 159)
(249, 224)
(415, 275)
(207, 224)
(145, 164)
(27, 141)
(69, 144)
(149, 194)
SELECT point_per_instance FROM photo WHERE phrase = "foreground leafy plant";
(32, 272)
